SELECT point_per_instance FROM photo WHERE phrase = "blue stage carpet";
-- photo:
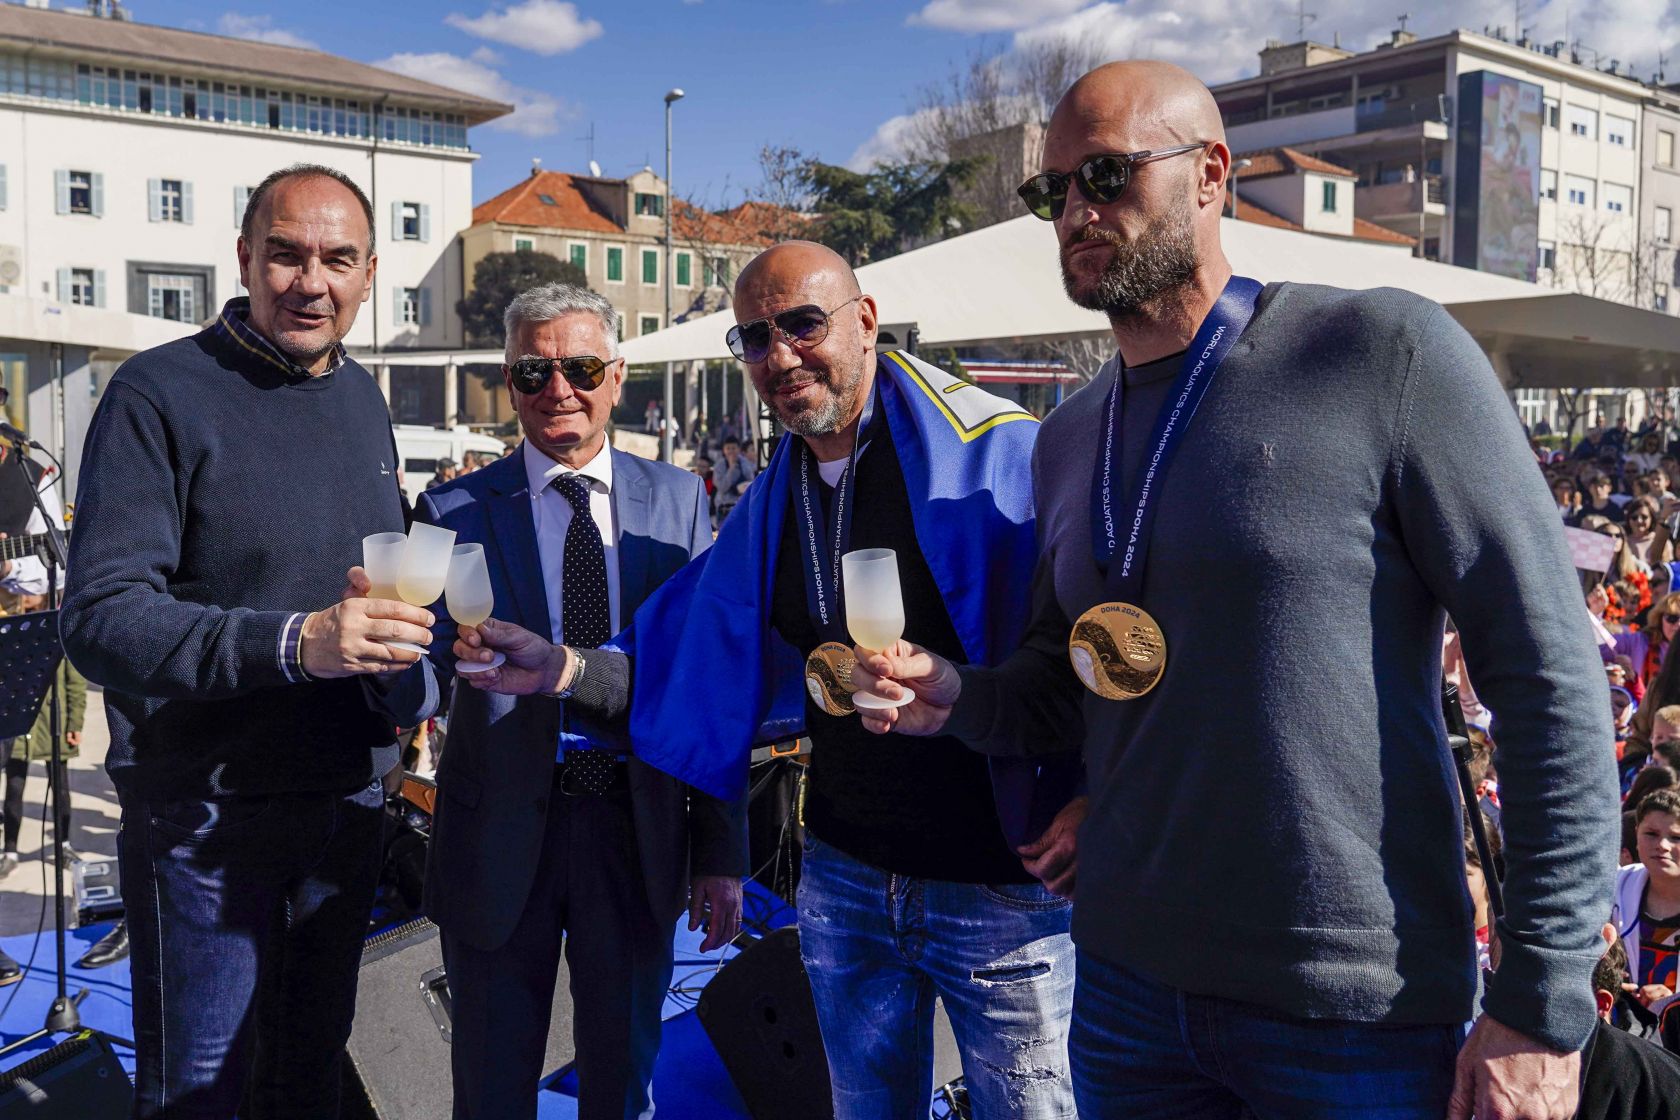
(690, 1082)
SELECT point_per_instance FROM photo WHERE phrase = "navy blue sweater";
(220, 495)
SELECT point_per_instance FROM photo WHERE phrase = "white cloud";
(893, 141)
(543, 26)
(535, 113)
(261, 29)
(990, 15)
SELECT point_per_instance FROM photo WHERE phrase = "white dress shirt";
(551, 513)
(29, 575)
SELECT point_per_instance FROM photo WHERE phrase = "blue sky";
(831, 77)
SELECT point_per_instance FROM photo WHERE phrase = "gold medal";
(828, 678)
(1118, 651)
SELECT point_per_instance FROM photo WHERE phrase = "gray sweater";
(1278, 821)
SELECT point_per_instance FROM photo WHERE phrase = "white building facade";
(127, 153)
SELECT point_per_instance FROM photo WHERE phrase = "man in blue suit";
(544, 836)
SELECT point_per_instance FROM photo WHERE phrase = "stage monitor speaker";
(762, 1021)
(79, 1079)
(398, 1066)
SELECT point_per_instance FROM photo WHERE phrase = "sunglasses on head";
(1102, 179)
(584, 371)
(806, 325)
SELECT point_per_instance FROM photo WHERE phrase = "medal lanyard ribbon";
(1120, 534)
(824, 597)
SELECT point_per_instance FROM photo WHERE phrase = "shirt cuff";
(290, 650)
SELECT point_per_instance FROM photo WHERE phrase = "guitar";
(17, 548)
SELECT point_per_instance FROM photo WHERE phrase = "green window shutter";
(615, 265)
(650, 266)
(685, 270)
(580, 256)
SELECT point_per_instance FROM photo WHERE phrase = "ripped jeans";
(879, 947)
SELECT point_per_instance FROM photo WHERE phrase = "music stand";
(32, 633)
(29, 656)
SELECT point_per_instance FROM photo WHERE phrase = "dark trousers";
(247, 917)
(17, 776)
(589, 899)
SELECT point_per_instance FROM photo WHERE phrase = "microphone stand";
(64, 1016)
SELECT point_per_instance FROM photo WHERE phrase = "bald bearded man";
(1272, 914)
(922, 861)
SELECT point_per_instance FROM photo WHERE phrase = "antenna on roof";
(595, 169)
(1303, 17)
(1402, 18)
(589, 138)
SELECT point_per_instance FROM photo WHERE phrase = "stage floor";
(690, 1082)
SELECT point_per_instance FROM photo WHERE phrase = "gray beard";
(1143, 273)
(825, 418)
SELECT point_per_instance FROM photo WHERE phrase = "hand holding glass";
(419, 574)
(470, 600)
(874, 611)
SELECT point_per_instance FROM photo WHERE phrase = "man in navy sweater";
(227, 483)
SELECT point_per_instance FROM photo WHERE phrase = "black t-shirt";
(912, 806)
(1628, 1078)
(16, 501)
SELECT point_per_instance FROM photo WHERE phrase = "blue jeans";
(246, 916)
(1145, 1051)
(879, 947)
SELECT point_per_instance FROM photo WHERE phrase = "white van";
(419, 447)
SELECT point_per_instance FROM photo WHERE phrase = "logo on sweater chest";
(1268, 454)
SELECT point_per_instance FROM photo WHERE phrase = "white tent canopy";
(1002, 284)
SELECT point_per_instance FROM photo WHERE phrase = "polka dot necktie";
(585, 616)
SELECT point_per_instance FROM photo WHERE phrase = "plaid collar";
(232, 324)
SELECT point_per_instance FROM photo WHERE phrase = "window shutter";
(396, 221)
(154, 200)
(425, 222)
(397, 306)
(425, 307)
(2, 186)
(99, 287)
(98, 193)
(186, 202)
(64, 285)
(241, 199)
(61, 190)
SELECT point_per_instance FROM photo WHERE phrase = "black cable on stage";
(41, 921)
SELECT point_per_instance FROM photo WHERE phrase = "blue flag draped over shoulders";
(711, 679)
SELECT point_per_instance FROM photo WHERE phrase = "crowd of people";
(1024, 769)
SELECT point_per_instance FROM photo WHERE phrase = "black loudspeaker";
(398, 1066)
(79, 1079)
(762, 1021)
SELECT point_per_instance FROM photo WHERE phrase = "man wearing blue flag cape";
(922, 860)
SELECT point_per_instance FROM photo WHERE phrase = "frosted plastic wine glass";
(424, 570)
(382, 555)
(470, 600)
(874, 610)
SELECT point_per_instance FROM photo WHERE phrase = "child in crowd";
(1647, 910)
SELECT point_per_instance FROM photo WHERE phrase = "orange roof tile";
(1362, 230)
(1287, 161)
(523, 205)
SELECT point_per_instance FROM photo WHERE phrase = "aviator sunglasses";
(1102, 179)
(806, 325)
(584, 371)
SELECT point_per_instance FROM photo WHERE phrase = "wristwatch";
(577, 675)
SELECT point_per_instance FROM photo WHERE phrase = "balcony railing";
(1373, 116)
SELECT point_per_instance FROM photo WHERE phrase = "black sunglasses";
(584, 371)
(806, 325)
(1671, 619)
(1101, 179)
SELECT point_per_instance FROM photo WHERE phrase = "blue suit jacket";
(495, 779)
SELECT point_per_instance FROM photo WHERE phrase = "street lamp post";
(665, 439)
(1237, 168)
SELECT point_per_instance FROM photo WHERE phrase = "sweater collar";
(234, 325)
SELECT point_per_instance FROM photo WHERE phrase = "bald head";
(1145, 252)
(1160, 101)
(804, 266)
(809, 333)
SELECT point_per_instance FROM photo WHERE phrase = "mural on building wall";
(1499, 175)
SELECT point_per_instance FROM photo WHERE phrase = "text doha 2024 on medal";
(1118, 651)
(828, 678)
